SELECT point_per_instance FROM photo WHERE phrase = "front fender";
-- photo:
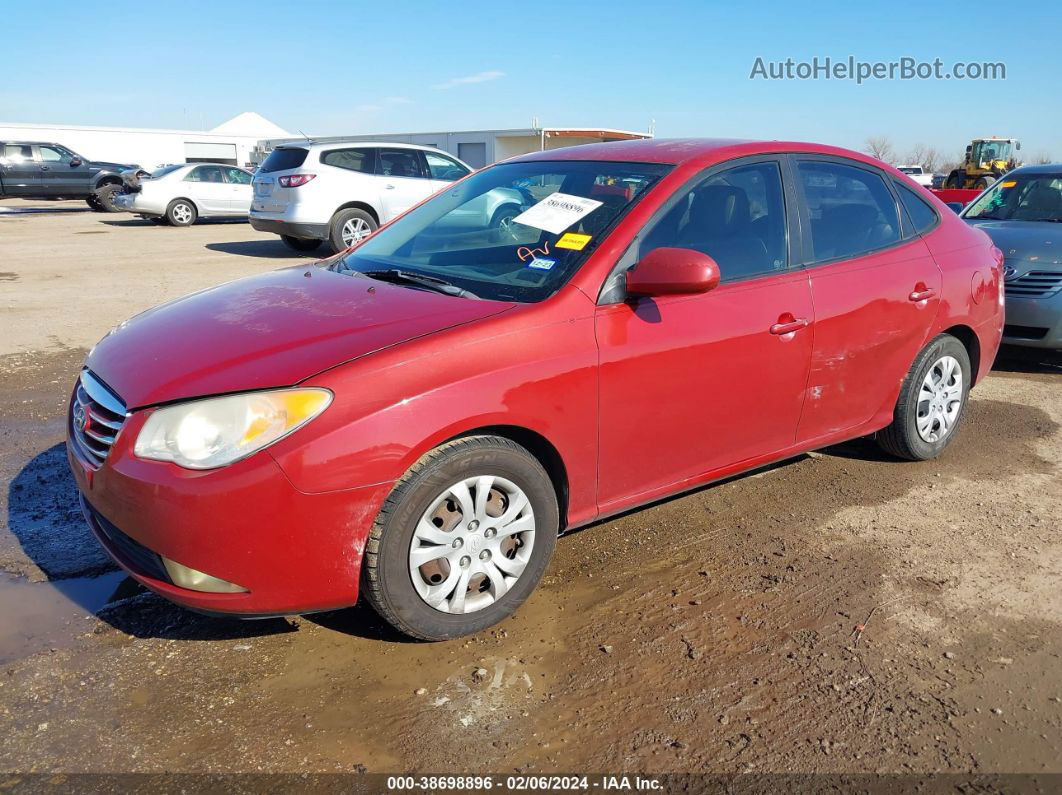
(391, 409)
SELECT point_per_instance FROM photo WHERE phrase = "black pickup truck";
(42, 170)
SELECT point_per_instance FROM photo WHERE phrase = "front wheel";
(301, 244)
(105, 198)
(932, 402)
(462, 540)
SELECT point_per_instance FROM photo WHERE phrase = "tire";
(983, 182)
(903, 438)
(347, 222)
(301, 244)
(954, 181)
(503, 217)
(105, 197)
(423, 499)
(181, 212)
(94, 203)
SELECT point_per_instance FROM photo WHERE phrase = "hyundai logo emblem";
(1009, 273)
(80, 418)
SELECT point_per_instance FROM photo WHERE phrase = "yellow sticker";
(573, 241)
(1009, 184)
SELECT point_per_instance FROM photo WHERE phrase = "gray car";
(1022, 213)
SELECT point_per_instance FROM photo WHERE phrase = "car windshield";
(512, 232)
(910, 170)
(1021, 197)
(161, 172)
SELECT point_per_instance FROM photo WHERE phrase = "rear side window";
(399, 163)
(852, 211)
(359, 160)
(17, 153)
(923, 217)
(283, 159)
(205, 174)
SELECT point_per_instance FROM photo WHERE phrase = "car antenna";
(304, 135)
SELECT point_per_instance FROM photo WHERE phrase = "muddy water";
(39, 616)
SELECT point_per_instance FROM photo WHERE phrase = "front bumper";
(1034, 322)
(300, 230)
(247, 524)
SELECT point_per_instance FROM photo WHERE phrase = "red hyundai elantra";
(549, 341)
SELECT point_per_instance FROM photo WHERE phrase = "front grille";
(96, 417)
(129, 552)
(1024, 332)
(1035, 284)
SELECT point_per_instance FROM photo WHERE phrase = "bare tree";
(880, 146)
(925, 156)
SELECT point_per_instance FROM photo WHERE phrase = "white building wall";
(146, 148)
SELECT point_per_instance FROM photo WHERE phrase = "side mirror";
(74, 163)
(672, 271)
(955, 207)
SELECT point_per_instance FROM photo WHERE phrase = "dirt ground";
(708, 633)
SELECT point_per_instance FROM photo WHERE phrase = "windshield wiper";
(396, 276)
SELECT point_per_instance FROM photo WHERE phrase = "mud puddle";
(47, 615)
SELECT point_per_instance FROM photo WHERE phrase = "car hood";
(271, 330)
(103, 165)
(1038, 242)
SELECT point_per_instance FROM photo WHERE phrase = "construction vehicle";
(986, 160)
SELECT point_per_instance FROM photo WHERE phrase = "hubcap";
(472, 544)
(939, 399)
(183, 213)
(355, 230)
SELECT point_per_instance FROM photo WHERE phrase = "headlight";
(211, 433)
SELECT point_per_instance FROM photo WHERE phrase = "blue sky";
(335, 67)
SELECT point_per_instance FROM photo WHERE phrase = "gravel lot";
(713, 632)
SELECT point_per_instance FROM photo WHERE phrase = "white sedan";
(180, 194)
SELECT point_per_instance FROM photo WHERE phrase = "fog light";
(198, 581)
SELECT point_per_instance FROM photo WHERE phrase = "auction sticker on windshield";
(557, 212)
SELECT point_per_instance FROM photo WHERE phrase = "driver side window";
(53, 154)
(737, 217)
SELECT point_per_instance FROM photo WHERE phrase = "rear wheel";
(983, 182)
(932, 402)
(301, 244)
(954, 181)
(94, 203)
(105, 197)
(462, 540)
(181, 212)
(349, 227)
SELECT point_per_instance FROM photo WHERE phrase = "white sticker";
(557, 212)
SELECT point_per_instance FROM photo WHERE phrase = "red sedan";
(417, 419)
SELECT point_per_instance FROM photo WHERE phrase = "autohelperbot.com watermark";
(859, 71)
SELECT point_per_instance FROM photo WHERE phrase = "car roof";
(1043, 168)
(363, 144)
(681, 151)
(33, 143)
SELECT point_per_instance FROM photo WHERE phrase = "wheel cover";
(182, 213)
(472, 544)
(354, 230)
(939, 399)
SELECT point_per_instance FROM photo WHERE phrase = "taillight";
(295, 180)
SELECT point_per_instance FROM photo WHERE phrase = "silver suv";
(339, 192)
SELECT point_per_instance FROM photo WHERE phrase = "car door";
(876, 290)
(402, 179)
(240, 193)
(206, 186)
(19, 170)
(63, 173)
(692, 384)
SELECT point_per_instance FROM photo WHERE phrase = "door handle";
(921, 293)
(45, 168)
(789, 326)
(389, 187)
